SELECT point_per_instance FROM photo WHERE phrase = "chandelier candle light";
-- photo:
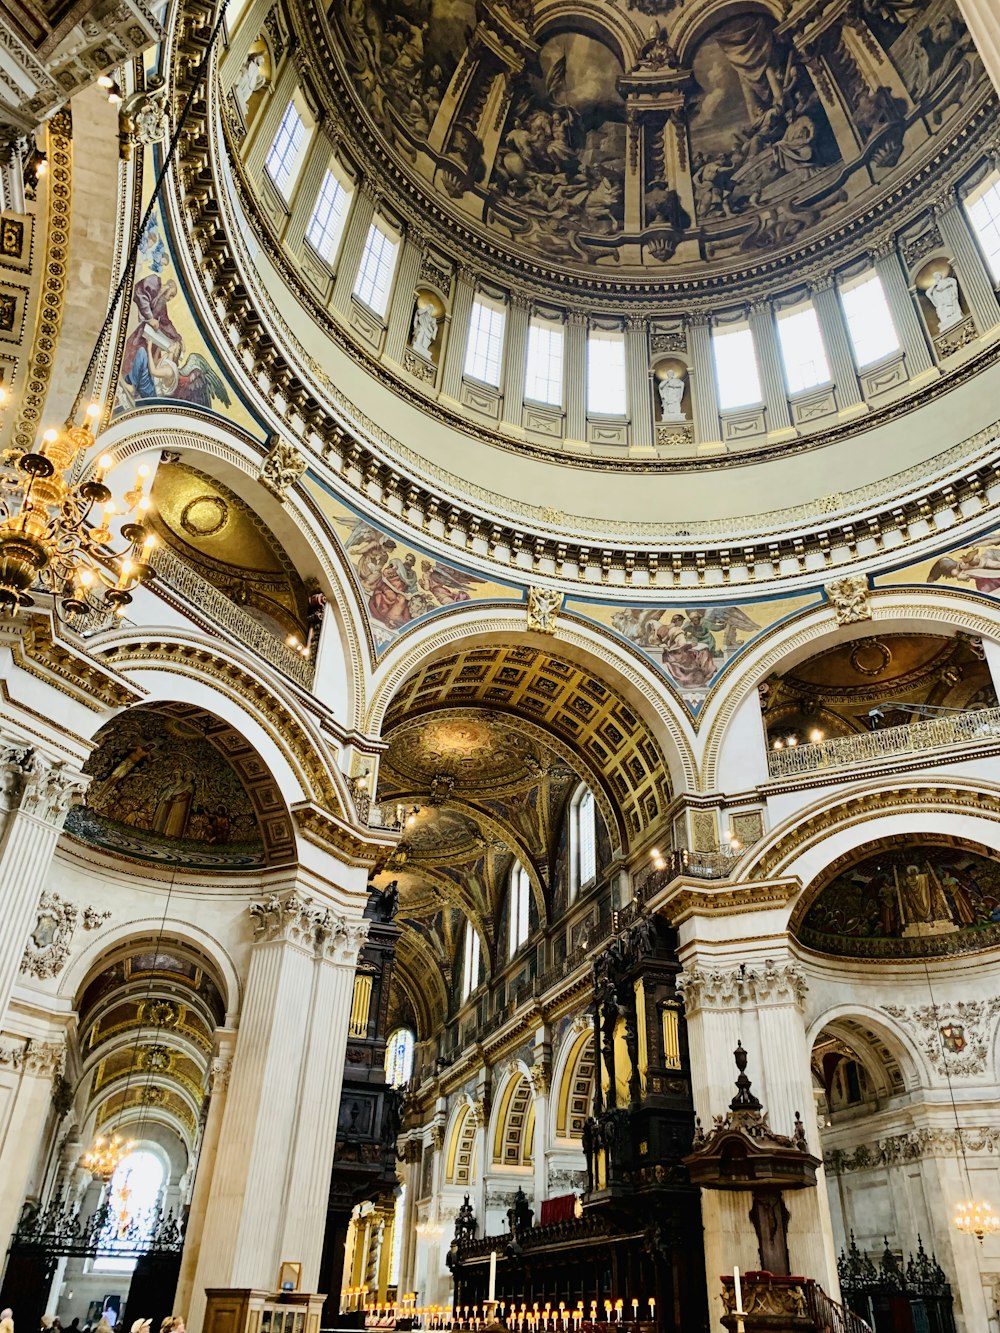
(102, 1159)
(56, 532)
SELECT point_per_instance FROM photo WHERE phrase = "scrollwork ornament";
(543, 609)
(37, 786)
(49, 942)
(282, 467)
(849, 599)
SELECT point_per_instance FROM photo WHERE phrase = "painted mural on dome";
(161, 791)
(973, 566)
(164, 357)
(908, 900)
(402, 584)
(742, 140)
(691, 645)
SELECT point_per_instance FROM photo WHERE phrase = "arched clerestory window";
(518, 902)
(399, 1057)
(582, 840)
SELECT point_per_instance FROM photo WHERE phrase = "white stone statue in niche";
(671, 391)
(251, 80)
(943, 296)
(425, 327)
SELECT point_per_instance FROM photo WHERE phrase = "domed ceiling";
(642, 135)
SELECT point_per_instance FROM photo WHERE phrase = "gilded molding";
(54, 265)
(69, 668)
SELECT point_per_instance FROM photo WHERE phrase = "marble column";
(278, 1130)
(315, 1137)
(576, 375)
(358, 224)
(758, 1003)
(639, 400)
(222, 1064)
(981, 19)
(913, 341)
(515, 358)
(400, 321)
(772, 375)
(27, 1069)
(458, 332)
(540, 1077)
(973, 278)
(704, 391)
(37, 793)
(268, 119)
(833, 327)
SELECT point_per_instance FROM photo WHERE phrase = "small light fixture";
(976, 1218)
(816, 736)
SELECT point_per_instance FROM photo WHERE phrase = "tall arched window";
(582, 840)
(134, 1195)
(470, 969)
(399, 1058)
(518, 905)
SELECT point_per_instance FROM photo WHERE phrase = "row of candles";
(538, 1318)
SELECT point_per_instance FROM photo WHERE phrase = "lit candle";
(652, 1307)
(635, 1307)
(738, 1290)
(493, 1275)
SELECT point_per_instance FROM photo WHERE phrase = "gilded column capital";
(741, 986)
(37, 786)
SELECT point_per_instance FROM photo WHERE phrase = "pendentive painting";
(905, 900)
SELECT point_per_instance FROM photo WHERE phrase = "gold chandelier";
(56, 531)
(976, 1218)
(102, 1158)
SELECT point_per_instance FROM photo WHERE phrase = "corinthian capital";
(38, 786)
(298, 919)
(778, 985)
(702, 989)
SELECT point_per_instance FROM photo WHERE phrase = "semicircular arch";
(942, 611)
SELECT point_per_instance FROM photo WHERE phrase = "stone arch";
(461, 1159)
(574, 1083)
(884, 1044)
(938, 611)
(809, 840)
(664, 737)
(178, 666)
(513, 1132)
(234, 457)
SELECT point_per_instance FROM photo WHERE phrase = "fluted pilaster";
(458, 332)
(362, 215)
(283, 1097)
(268, 120)
(704, 390)
(37, 793)
(401, 311)
(576, 376)
(904, 314)
(765, 337)
(850, 399)
(637, 369)
(307, 192)
(975, 281)
(515, 358)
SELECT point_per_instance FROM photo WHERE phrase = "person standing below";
(7, 1320)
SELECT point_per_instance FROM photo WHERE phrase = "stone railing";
(226, 617)
(979, 724)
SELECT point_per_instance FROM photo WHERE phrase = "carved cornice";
(40, 1059)
(367, 849)
(684, 898)
(740, 987)
(68, 667)
(912, 1146)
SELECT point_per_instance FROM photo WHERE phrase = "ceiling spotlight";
(816, 736)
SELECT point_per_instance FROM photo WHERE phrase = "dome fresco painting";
(663, 140)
